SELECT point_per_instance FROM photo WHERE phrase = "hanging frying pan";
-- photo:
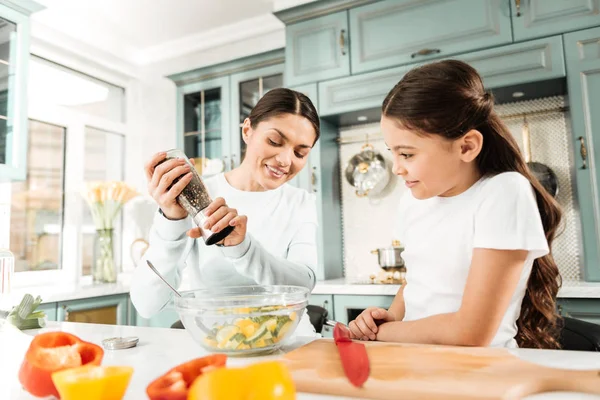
(542, 172)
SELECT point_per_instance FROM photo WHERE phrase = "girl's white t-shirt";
(440, 233)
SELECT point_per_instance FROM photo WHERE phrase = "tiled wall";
(368, 223)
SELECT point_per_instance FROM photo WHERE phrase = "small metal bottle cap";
(118, 343)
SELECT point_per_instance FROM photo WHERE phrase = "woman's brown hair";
(448, 98)
(285, 101)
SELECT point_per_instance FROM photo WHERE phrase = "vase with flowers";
(105, 200)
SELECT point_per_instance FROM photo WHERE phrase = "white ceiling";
(146, 31)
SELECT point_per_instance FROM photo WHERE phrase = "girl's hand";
(160, 183)
(364, 327)
(220, 216)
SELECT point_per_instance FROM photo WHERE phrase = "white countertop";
(569, 289)
(160, 349)
(343, 286)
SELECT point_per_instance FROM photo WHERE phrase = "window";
(77, 134)
(36, 216)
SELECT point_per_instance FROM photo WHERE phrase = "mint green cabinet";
(306, 177)
(396, 32)
(532, 61)
(110, 310)
(585, 309)
(246, 89)
(582, 51)
(347, 307)
(317, 49)
(203, 120)
(14, 60)
(49, 309)
(538, 18)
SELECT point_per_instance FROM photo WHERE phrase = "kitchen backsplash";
(368, 223)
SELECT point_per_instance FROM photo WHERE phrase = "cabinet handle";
(583, 152)
(518, 5)
(232, 161)
(313, 180)
(66, 318)
(425, 52)
(325, 302)
(343, 42)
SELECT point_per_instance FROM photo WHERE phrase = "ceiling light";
(516, 95)
(362, 118)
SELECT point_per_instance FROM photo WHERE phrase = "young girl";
(274, 240)
(475, 224)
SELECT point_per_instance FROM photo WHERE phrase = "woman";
(274, 236)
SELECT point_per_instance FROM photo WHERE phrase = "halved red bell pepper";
(54, 351)
(175, 384)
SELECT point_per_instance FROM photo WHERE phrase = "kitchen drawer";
(347, 307)
(396, 32)
(532, 61)
(110, 310)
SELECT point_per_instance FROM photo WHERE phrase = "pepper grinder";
(194, 198)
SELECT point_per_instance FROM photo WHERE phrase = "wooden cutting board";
(432, 372)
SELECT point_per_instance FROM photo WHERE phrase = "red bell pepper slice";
(175, 384)
(54, 351)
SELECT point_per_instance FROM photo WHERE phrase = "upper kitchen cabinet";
(212, 102)
(204, 126)
(246, 89)
(396, 32)
(317, 49)
(582, 50)
(538, 18)
(532, 61)
(14, 59)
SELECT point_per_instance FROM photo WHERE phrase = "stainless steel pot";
(367, 171)
(390, 257)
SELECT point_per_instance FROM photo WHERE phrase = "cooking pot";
(390, 258)
(367, 171)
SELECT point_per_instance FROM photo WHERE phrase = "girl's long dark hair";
(448, 98)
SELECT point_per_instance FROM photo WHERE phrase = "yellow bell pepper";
(92, 382)
(268, 380)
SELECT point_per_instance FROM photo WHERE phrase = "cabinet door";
(14, 58)
(582, 50)
(396, 32)
(325, 301)
(305, 178)
(538, 18)
(348, 307)
(532, 61)
(246, 89)
(110, 310)
(317, 49)
(49, 309)
(584, 309)
(203, 128)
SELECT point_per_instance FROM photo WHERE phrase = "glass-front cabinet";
(14, 56)
(247, 88)
(204, 130)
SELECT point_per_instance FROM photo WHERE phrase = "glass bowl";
(242, 320)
